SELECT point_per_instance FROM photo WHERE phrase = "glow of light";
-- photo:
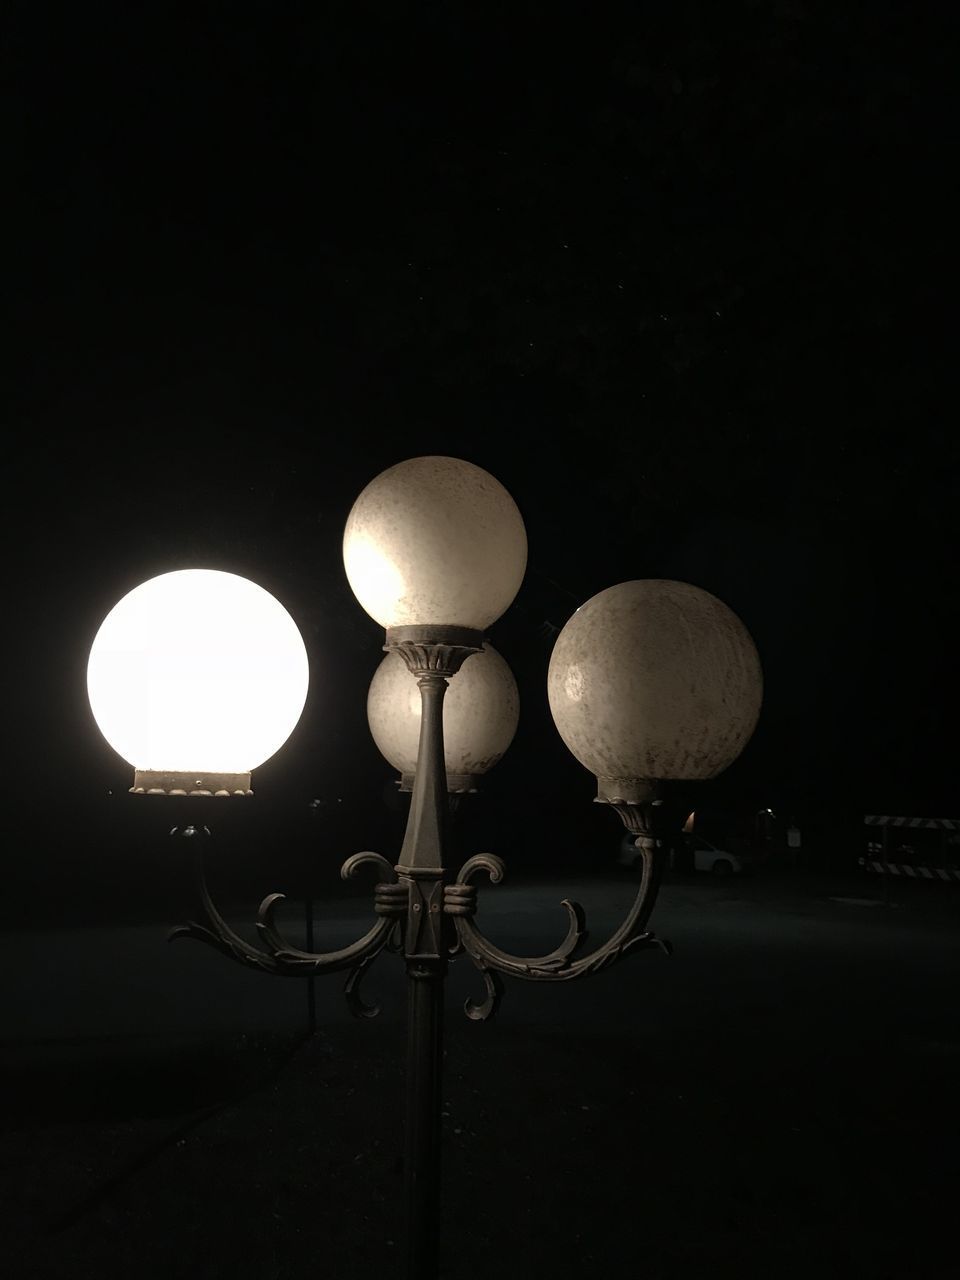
(197, 670)
(366, 562)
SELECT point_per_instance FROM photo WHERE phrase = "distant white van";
(706, 856)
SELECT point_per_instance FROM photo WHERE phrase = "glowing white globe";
(653, 680)
(195, 678)
(435, 540)
(481, 709)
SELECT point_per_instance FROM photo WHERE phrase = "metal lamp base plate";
(153, 782)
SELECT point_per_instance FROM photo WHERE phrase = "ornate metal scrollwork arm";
(481, 1010)
(278, 957)
(561, 964)
(355, 1002)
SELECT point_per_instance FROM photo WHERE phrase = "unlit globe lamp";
(653, 680)
(481, 710)
(435, 541)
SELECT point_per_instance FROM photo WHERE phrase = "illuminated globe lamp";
(480, 714)
(652, 681)
(195, 678)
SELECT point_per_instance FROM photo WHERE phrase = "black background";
(672, 273)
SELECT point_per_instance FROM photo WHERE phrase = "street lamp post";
(649, 681)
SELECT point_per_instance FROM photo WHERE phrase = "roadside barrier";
(935, 824)
(879, 851)
(910, 872)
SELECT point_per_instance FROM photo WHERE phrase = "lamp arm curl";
(277, 957)
(460, 902)
(562, 964)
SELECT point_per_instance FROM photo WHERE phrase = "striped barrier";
(878, 852)
(909, 872)
(938, 824)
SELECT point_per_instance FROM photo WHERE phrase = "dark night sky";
(668, 271)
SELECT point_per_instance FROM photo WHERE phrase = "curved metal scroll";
(561, 964)
(279, 958)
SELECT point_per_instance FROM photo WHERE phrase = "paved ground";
(777, 1099)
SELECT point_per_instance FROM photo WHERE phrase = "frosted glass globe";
(654, 679)
(197, 672)
(435, 540)
(481, 709)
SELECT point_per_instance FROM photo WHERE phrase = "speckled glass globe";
(654, 679)
(481, 709)
(435, 540)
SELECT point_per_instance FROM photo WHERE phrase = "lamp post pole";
(431, 655)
